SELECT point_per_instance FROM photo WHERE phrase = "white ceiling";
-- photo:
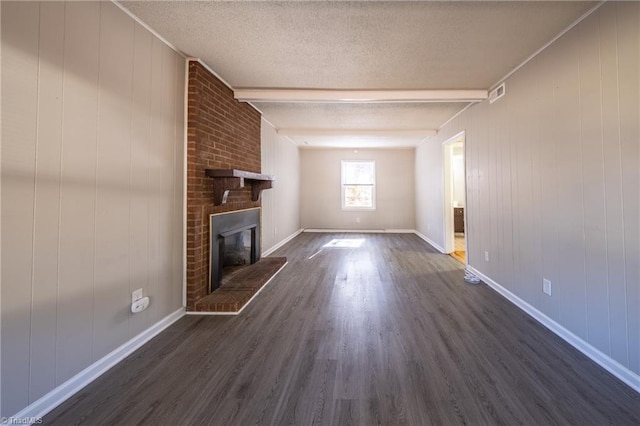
(374, 116)
(368, 45)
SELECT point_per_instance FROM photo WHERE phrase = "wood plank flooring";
(459, 247)
(384, 334)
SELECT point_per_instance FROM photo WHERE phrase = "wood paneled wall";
(552, 182)
(281, 204)
(92, 188)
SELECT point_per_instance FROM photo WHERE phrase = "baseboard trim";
(57, 396)
(430, 241)
(283, 242)
(612, 366)
(359, 231)
(399, 231)
(246, 304)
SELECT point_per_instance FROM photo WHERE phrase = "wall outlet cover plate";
(136, 295)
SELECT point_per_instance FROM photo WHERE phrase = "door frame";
(447, 180)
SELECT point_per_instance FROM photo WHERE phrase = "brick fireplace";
(222, 133)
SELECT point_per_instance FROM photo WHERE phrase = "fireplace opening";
(236, 251)
(235, 244)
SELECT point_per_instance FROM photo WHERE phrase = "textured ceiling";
(359, 45)
(357, 141)
(368, 116)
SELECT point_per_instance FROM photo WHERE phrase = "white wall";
(321, 189)
(457, 179)
(281, 204)
(553, 177)
(429, 191)
(92, 173)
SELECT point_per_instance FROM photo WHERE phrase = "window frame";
(343, 185)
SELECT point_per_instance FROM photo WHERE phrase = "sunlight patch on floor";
(345, 243)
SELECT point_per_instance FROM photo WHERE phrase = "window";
(358, 185)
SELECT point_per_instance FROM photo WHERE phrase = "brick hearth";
(239, 288)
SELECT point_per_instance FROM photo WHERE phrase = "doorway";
(455, 228)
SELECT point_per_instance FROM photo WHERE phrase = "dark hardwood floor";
(388, 333)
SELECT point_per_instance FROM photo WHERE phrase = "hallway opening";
(455, 198)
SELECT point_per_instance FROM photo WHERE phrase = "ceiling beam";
(358, 96)
(356, 132)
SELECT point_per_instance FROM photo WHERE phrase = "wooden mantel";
(225, 180)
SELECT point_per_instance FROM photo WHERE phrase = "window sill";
(358, 208)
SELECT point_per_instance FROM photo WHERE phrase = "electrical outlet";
(275, 231)
(357, 220)
(139, 305)
(136, 295)
(546, 286)
(486, 256)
